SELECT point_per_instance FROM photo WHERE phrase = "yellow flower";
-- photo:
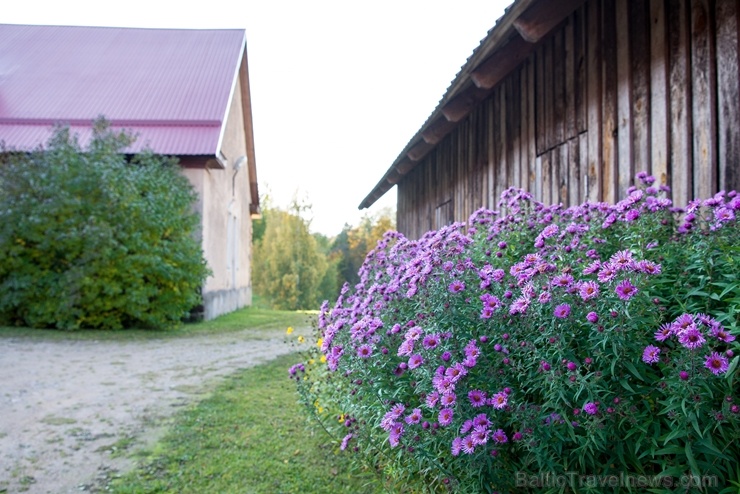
(301, 339)
(323, 359)
(320, 342)
(289, 330)
(311, 362)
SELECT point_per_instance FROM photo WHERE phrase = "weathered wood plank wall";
(621, 86)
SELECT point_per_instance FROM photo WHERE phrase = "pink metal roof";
(172, 87)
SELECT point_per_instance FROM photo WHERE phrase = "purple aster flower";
(364, 351)
(477, 398)
(519, 306)
(691, 338)
(456, 446)
(466, 427)
(414, 417)
(544, 297)
(549, 231)
(562, 280)
(591, 408)
(651, 354)
(722, 334)
(664, 332)
(481, 420)
(626, 290)
(480, 435)
(683, 375)
(592, 317)
(345, 442)
(456, 286)
(396, 411)
(648, 267)
(632, 214)
(430, 341)
(406, 348)
(588, 290)
(716, 363)
(395, 434)
(415, 361)
(447, 399)
(432, 399)
(607, 272)
(684, 321)
(468, 445)
(499, 400)
(562, 311)
(445, 416)
(593, 267)
(500, 436)
(456, 372)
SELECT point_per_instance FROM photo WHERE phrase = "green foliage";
(89, 239)
(542, 349)
(353, 243)
(288, 266)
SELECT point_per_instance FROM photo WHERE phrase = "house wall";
(224, 198)
(621, 86)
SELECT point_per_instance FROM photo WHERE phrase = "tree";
(354, 243)
(91, 239)
(288, 265)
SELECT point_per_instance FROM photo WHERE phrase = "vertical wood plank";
(579, 57)
(680, 172)
(659, 123)
(569, 93)
(538, 179)
(728, 93)
(531, 137)
(548, 77)
(540, 126)
(563, 173)
(559, 64)
(640, 67)
(514, 115)
(625, 157)
(491, 152)
(574, 169)
(546, 197)
(592, 176)
(609, 102)
(703, 100)
(583, 159)
(502, 179)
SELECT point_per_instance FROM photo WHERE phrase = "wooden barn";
(569, 99)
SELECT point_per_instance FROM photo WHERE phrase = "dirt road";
(66, 407)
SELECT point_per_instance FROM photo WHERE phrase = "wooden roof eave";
(514, 37)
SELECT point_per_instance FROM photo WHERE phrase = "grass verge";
(257, 320)
(250, 437)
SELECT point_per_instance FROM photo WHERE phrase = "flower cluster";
(536, 332)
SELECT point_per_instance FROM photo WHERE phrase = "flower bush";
(539, 342)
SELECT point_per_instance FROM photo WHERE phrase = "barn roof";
(171, 87)
(512, 38)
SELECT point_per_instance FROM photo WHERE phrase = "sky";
(338, 87)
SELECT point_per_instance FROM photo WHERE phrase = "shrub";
(90, 239)
(542, 349)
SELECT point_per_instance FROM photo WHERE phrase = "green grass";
(248, 437)
(260, 321)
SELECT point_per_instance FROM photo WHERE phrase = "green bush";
(542, 349)
(91, 239)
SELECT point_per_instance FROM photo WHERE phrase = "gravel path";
(67, 406)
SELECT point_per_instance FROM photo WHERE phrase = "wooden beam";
(419, 150)
(438, 129)
(393, 177)
(458, 107)
(496, 67)
(542, 17)
(405, 166)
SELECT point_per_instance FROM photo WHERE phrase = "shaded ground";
(71, 412)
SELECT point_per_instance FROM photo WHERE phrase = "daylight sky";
(339, 87)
